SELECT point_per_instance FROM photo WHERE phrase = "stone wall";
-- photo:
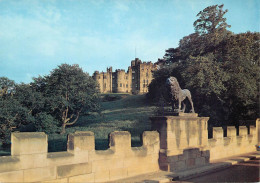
(184, 141)
(30, 161)
(135, 80)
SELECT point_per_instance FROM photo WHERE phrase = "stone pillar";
(179, 133)
(257, 124)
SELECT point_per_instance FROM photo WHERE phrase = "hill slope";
(130, 113)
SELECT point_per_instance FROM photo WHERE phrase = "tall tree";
(71, 93)
(211, 20)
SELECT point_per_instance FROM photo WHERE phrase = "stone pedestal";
(179, 134)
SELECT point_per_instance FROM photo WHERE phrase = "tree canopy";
(211, 20)
(49, 103)
(219, 67)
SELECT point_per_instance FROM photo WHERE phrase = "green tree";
(12, 116)
(70, 93)
(211, 20)
(220, 68)
(6, 86)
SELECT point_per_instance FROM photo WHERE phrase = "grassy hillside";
(130, 113)
(127, 113)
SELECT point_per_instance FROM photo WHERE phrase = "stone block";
(200, 161)
(120, 140)
(231, 131)
(227, 141)
(205, 153)
(61, 158)
(218, 133)
(28, 143)
(74, 169)
(212, 143)
(137, 152)
(151, 138)
(29, 161)
(193, 141)
(242, 130)
(39, 174)
(182, 157)
(190, 162)
(252, 130)
(180, 143)
(102, 176)
(181, 165)
(9, 163)
(65, 180)
(191, 153)
(14, 176)
(207, 158)
(104, 155)
(89, 178)
(81, 141)
(164, 167)
(108, 164)
(172, 167)
(119, 173)
(172, 159)
(134, 170)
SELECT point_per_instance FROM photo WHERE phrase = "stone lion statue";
(179, 94)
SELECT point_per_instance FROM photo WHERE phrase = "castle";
(135, 80)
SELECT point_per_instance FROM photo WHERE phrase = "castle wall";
(135, 80)
(182, 143)
(30, 161)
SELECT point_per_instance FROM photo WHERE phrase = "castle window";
(143, 85)
(120, 84)
(133, 77)
(144, 81)
(126, 77)
(136, 85)
(133, 71)
(126, 85)
(113, 85)
(113, 76)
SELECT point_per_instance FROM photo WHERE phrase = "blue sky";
(38, 35)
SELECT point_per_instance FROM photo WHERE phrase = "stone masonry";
(181, 144)
(135, 80)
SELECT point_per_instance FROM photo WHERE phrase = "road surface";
(242, 172)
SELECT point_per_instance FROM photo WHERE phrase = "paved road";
(243, 172)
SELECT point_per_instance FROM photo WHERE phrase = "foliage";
(6, 86)
(12, 115)
(48, 103)
(70, 93)
(220, 68)
(211, 20)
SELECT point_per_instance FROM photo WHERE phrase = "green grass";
(131, 113)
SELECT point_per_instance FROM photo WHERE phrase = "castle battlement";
(30, 161)
(181, 144)
(135, 80)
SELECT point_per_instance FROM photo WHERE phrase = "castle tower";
(135, 80)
